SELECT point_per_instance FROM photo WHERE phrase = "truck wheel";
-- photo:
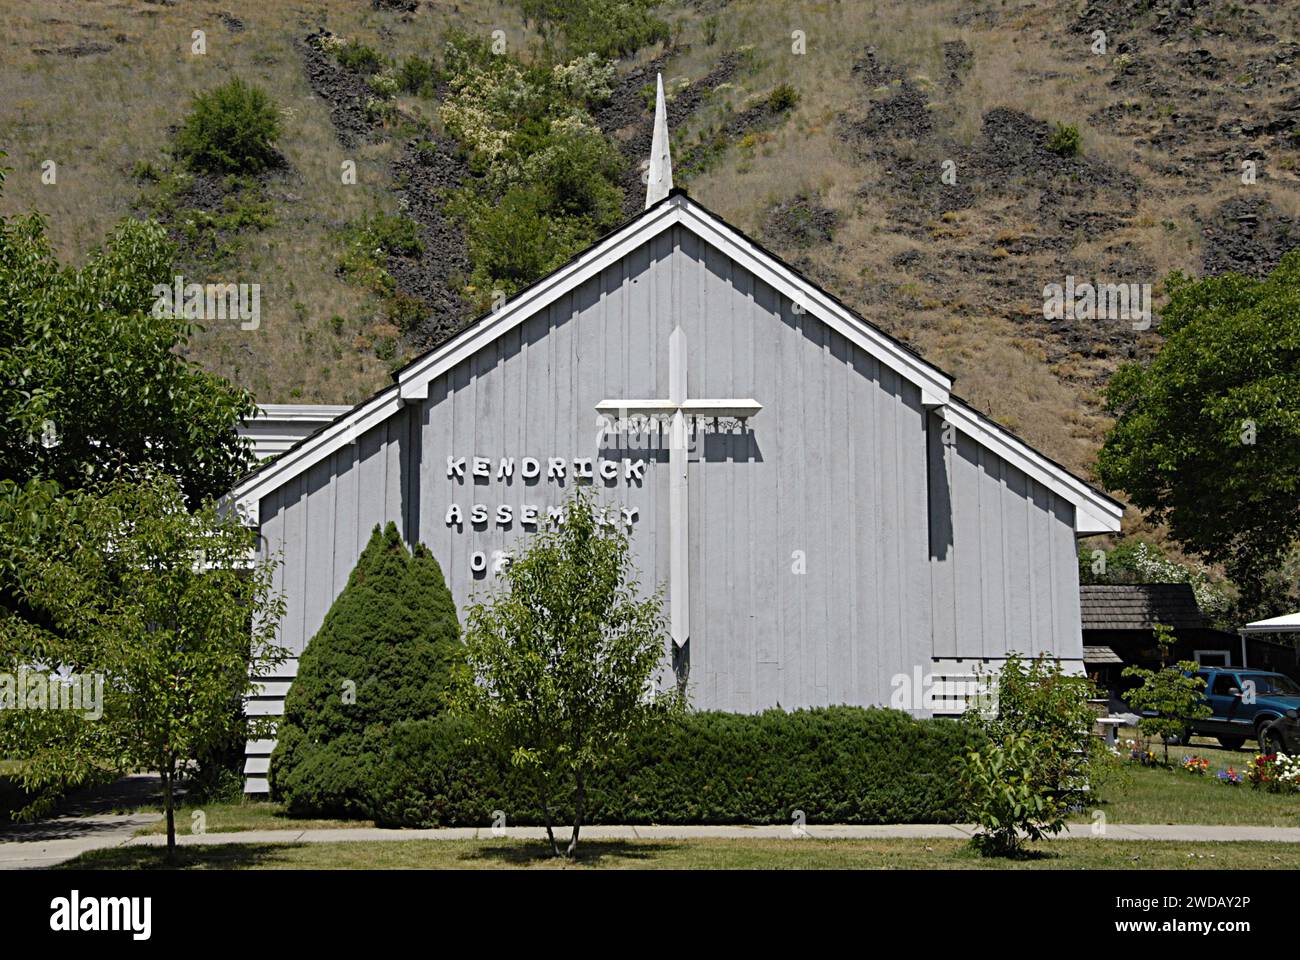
(1231, 743)
(1270, 740)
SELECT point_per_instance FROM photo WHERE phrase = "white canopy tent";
(1287, 623)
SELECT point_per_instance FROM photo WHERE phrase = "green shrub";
(610, 28)
(384, 654)
(575, 174)
(514, 241)
(782, 98)
(230, 129)
(367, 244)
(1065, 140)
(415, 76)
(546, 179)
(358, 57)
(1006, 785)
(836, 764)
(145, 170)
(384, 85)
(711, 30)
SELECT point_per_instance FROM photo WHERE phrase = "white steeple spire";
(661, 162)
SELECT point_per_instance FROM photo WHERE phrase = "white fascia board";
(299, 412)
(348, 428)
(1094, 512)
(933, 383)
(413, 382)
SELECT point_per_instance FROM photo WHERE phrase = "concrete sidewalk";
(85, 822)
(1075, 831)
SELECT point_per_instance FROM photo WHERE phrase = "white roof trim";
(248, 493)
(677, 210)
(414, 380)
(295, 412)
(1287, 623)
(934, 384)
(1094, 512)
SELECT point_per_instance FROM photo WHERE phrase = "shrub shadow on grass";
(234, 856)
(594, 853)
(1019, 855)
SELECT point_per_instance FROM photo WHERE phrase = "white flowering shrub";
(548, 178)
(1143, 563)
(384, 85)
(589, 78)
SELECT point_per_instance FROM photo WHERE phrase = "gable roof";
(1139, 606)
(1094, 511)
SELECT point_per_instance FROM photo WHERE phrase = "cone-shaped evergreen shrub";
(384, 654)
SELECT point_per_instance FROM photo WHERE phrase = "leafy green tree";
(1207, 435)
(1173, 694)
(160, 602)
(230, 129)
(385, 652)
(91, 380)
(562, 665)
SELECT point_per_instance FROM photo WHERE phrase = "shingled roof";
(1138, 606)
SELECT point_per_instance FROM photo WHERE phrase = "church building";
(821, 513)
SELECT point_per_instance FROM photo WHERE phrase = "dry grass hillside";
(847, 185)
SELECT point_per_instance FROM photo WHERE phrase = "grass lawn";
(245, 815)
(1157, 795)
(702, 854)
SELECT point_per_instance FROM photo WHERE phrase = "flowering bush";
(1230, 777)
(1144, 563)
(547, 178)
(1275, 772)
(1197, 765)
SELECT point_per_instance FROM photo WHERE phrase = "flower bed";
(1197, 765)
(1275, 772)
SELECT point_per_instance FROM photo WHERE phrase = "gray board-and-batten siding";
(917, 543)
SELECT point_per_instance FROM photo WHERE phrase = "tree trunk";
(546, 815)
(579, 808)
(170, 806)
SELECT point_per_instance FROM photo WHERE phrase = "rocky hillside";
(917, 157)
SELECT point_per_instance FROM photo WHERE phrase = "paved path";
(86, 821)
(831, 832)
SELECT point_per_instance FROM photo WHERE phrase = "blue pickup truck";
(1250, 705)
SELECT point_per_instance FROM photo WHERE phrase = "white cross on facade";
(678, 408)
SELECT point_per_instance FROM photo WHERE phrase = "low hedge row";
(837, 764)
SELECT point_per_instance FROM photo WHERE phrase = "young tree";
(161, 602)
(1039, 752)
(562, 666)
(1006, 787)
(1172, 693)
(1042, 702)
(385, 653)
(1208, 433)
